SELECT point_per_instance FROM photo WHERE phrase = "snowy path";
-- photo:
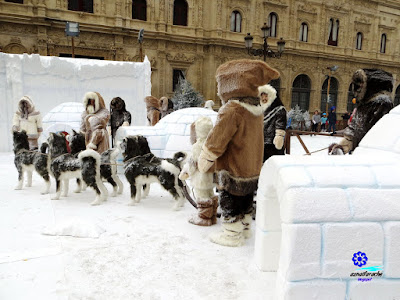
(147, 251)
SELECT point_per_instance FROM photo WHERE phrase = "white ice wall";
(314, 213)
(51, 81)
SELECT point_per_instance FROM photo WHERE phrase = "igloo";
(171, 133)
(317, 215)
(63, 117)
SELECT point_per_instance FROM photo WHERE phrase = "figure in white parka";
(29, 119)
(207, 202)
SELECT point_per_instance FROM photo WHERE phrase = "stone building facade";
(193, 37)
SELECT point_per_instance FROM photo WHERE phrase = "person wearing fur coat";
(153, 110)
(119, 116)
(167, 106)
(94, 122)
(28, 119)
(274, 121)
(202, 183)
(235, 145)
(372, 89)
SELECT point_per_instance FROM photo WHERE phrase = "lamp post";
(265, 51)
(140, 40)
(331, 69)
(72, 30)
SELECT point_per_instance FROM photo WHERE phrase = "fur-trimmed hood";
(117, 103)
(152, 102)
(26, 107)
(270, 91)
(367, 83)
(98, 101)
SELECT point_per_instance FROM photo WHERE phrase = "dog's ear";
(143, 145)
(74, 132)
(180, 156)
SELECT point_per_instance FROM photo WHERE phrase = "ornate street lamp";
(265, 51)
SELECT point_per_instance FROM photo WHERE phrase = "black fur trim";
(237, 186)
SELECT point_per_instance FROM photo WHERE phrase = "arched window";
(180, 12)
(359, 39)
(333, 32)
(301, 92)
(397, 97)
(303, 32)
(272, 23)
(236, 21)
(276, 83)
(139, 10)
(81, 5)
(350, 96)
(333, 92)
(383, 43)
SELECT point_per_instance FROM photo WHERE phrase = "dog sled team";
(228, 155)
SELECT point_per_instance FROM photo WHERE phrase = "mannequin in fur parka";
(274, 121)
(372, 89)
(94, 122)
(28, 119)
(167, 106)
(202, 183)
(119, 116)
(153, 110)
(235, 146)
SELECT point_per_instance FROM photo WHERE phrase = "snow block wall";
(315, 213)
(51, 81)
(171, 134)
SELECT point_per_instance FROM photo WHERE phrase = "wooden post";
(73, 48)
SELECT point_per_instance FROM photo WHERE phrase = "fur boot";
(231, 234)
(205, 213)
(247, 225)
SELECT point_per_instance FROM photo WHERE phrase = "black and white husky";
(67, 166)
(26, 161)
(143, 168)
(108, 168)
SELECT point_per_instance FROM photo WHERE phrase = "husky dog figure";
(26, 161)
(143, 168)
(108, 169)
(66, 166)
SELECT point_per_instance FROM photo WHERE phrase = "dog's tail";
(44, 147)
(180, 156)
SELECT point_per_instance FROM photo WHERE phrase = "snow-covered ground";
(146, 251)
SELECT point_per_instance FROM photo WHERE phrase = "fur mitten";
(203, 163)
(279, 138)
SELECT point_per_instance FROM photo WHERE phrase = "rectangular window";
(16, 1)
(81, 5)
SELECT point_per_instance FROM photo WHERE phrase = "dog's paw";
(176, 207)
(56, 197)
(131, 203)
(96, 201)
(18, 187)
(44, 192)
(77, 190)
(29, 184)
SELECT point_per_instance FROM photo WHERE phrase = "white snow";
(147, 251)
(51, 81)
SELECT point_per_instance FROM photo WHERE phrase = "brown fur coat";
(94, 125)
